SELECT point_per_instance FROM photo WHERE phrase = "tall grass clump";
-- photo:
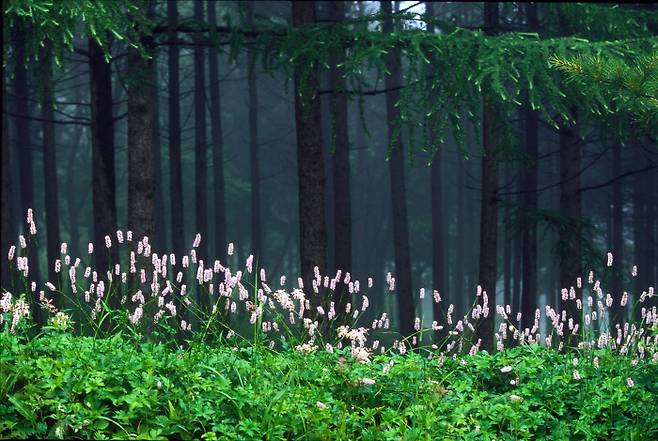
(165, 346)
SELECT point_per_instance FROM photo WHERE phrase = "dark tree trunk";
(6, 228)
(310, 163)
(217, 144)
(256, 229)
(459, 295)
(650, 219)
(159, 234)
(507, 253)
(405, 297)
(175, 169)
(489, 207)
(617, 235)
(341, 166)
(50, 169)
(23, 138)
(102, 156)
(529, 299)
(639, 241)
(570, 208)
(200, 152)
(439, 280)
(140, 141)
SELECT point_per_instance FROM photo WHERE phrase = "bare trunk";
(21, 96)
(159, 233)
(405, 297)
(489, 207)
(617, 234)
(175, 172)
(200, 142)
(310, 164)
(217, 144)
(102, 156)
(570, 208)
(50, 170)
(529, 244)
(140, 143)
(6, 228)
(342, 199)
(256, 229)
(439, 262)
(459, 295)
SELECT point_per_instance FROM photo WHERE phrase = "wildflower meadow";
(136, 352)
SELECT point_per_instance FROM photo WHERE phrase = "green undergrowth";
(62, 386)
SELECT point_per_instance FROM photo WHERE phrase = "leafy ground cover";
(63, 386)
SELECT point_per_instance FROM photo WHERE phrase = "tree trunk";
(570, 207)
(639, 241)
(458, 295)
(200, 141)
(159, 233)
(405, 296)
(140, 141)
(21, 96)
(507, 251)
(310, 163)
(617, 312)
(6, 228)
(529, 242)
(102, 156)
(489, 207)
(217, 144)
(50, 169)
(341, 167)
(439, 281)
(256, 229)
(175, 169)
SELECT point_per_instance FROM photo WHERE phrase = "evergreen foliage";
(615, 86)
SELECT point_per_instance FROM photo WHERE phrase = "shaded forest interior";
(271, 126)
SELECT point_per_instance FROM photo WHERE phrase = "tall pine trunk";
(530, 295)
(458, 294)
(489, 204)
(159, 232)
(310, 162)
(439, 277)
(342, 199)
(254, 160)
(617, 234)
(140, 140)
(23, 137)
(404, 295)
(6, 227)
(175, 169)
(200, 141)
(217, 144)
(102, 156)
(50, 168)
(570, 207)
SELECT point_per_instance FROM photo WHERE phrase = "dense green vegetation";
(61, 386)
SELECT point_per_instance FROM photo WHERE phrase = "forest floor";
(62, 386)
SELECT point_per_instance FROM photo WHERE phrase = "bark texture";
(50, 170)
(140, 142)
(489, 203)
(102, 155)
(342, 199)
(200, 153)
(404, 295)
(216, 134)
(175, 169)
(570, 208)
(310, 163)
